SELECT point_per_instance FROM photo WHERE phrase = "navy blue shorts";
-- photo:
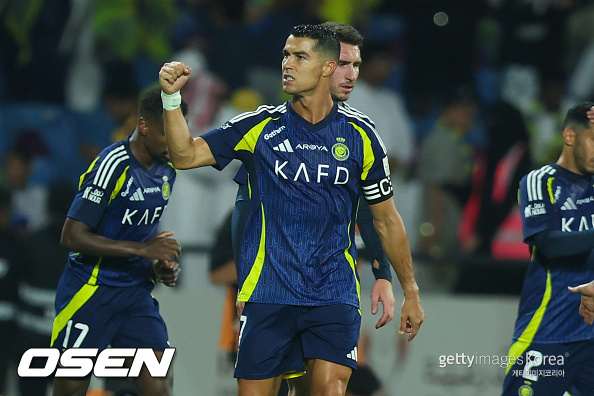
(97, 316)
(278, 339)
(552, 369)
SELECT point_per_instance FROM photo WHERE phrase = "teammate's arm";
(185, 152)
(555, 244)
(78, 236)
(390, 229)
(382, 288)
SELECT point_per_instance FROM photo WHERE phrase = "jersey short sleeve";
(97, 184)
(241, 133)
(538, 206)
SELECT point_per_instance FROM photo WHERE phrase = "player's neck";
(566, 161)
(139, 152)
(313, 108)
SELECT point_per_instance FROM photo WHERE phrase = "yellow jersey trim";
(248, 142)
(550, 189)
(368, 156)
(519, 347)
(119, 184)
(252, 279)
(89, 169)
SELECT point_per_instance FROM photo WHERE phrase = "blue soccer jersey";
(554, 199)
(305, 180)
(120, 199)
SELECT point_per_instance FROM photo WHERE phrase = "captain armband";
(376, 191)
(171, 102)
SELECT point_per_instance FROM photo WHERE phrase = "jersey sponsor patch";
(93, 194)
(535, 209)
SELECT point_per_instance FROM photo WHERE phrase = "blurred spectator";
(32, 69)
(579, 31)
(120, 98)
(205, 94)
(544, 118)
(580, 55)
(441, 48)
(532, 55)
(445, 167)
(40, 268)
(28, 198)
(268, 22)
(495, 184)
(135, 35)
(534, 34)
(9, 259)
(114, 121)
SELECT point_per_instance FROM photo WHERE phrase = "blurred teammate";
(104, 295)
(556, 204)
(307, 161)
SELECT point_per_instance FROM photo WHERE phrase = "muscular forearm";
(185, 152)
(392, 234)
(180, 144)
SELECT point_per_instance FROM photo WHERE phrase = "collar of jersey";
(308, 125)
(574, 177)
(140, 166)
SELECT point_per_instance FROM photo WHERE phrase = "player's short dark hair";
(326, 40)
(345, 33)
(577, 117)
(150, 105)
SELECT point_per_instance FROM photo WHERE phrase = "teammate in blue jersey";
(104, 295)
(553, 348)
(307, 161)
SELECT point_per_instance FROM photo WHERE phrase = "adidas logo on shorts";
(353, 354)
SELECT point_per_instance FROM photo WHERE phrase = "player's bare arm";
(185, 152)
(78, 237)
(390, 229)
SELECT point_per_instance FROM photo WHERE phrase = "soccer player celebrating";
(342, 83)
(307, 161)
(104, 295)
(553, 348)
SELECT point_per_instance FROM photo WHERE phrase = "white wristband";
(171, 102)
